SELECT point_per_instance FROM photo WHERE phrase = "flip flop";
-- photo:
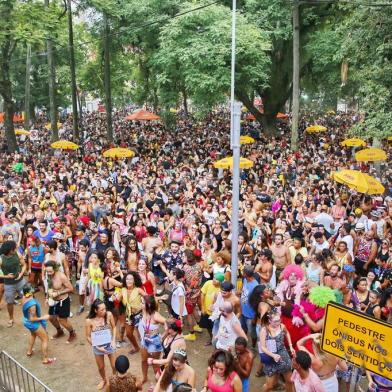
(101, 385)
(30, 354)
(10, 323)
(50, 361)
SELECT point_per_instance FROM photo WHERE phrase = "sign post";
(364, 341)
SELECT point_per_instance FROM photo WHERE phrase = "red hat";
(197, 253)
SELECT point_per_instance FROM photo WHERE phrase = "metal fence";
(16, 378)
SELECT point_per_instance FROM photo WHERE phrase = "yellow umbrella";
(22, 132)
(64, 145)
(371, 155)
(246, 140)
(354, 142)
(227, 163)
(316, 128)
(359, 181)
(119, 152)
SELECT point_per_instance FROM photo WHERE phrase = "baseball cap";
(375, 213)
(219, 276)
(227, 286)
(358, 211)
(81, 228)
(359, 226)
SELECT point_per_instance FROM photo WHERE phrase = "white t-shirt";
(226, 334)
(178, 291)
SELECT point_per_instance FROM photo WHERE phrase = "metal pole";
(236, 147)
(354, 376)
(295, 108)
(108, 91)
(27, 89)
(232, 90)
(235, 111)
(73, 73)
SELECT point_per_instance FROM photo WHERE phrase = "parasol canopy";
(142, 115)
(359, 181)
(118, 152)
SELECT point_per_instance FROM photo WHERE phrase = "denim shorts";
(108, 348)
(152, 344)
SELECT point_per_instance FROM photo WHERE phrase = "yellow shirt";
(209, 291)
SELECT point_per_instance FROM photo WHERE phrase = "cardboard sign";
(358, 338)
(101, 337)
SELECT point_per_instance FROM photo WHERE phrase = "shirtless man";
(264, 267)
(53, 254)
(280, 253)
(243, 362)
(151, 242)
(335, 282)
(58, 299)
(323, 364)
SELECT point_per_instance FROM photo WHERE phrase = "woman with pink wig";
(289, 292)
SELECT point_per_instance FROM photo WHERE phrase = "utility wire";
(121, 31)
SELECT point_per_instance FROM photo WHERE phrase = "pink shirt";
(310, 384)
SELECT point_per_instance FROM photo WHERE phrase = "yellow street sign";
(358, 338)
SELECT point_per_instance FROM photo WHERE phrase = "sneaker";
(191, 337)
(81, 310)
(196, 328)
(71, 314)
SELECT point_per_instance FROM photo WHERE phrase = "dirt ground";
(75, 368)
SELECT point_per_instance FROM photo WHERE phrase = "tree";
(369, 54)
(21, 23)
(195, 54)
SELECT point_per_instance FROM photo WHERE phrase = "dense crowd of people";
(144, 245)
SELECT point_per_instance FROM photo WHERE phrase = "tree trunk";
(295, 118)
(52, 87)
(27, 89)
(269, 124)
(185, 101)
(6, 93)
(9, 125)
(108, 89)
(73, 73)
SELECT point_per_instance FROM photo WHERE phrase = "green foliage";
(369, 53)
(195, 55)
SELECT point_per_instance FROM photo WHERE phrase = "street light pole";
(235, 111)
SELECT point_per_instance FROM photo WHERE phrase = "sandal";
(134, 351)
(49, 361)
(260, 373)
(10, 323)
(101, 385)
(30, 354)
